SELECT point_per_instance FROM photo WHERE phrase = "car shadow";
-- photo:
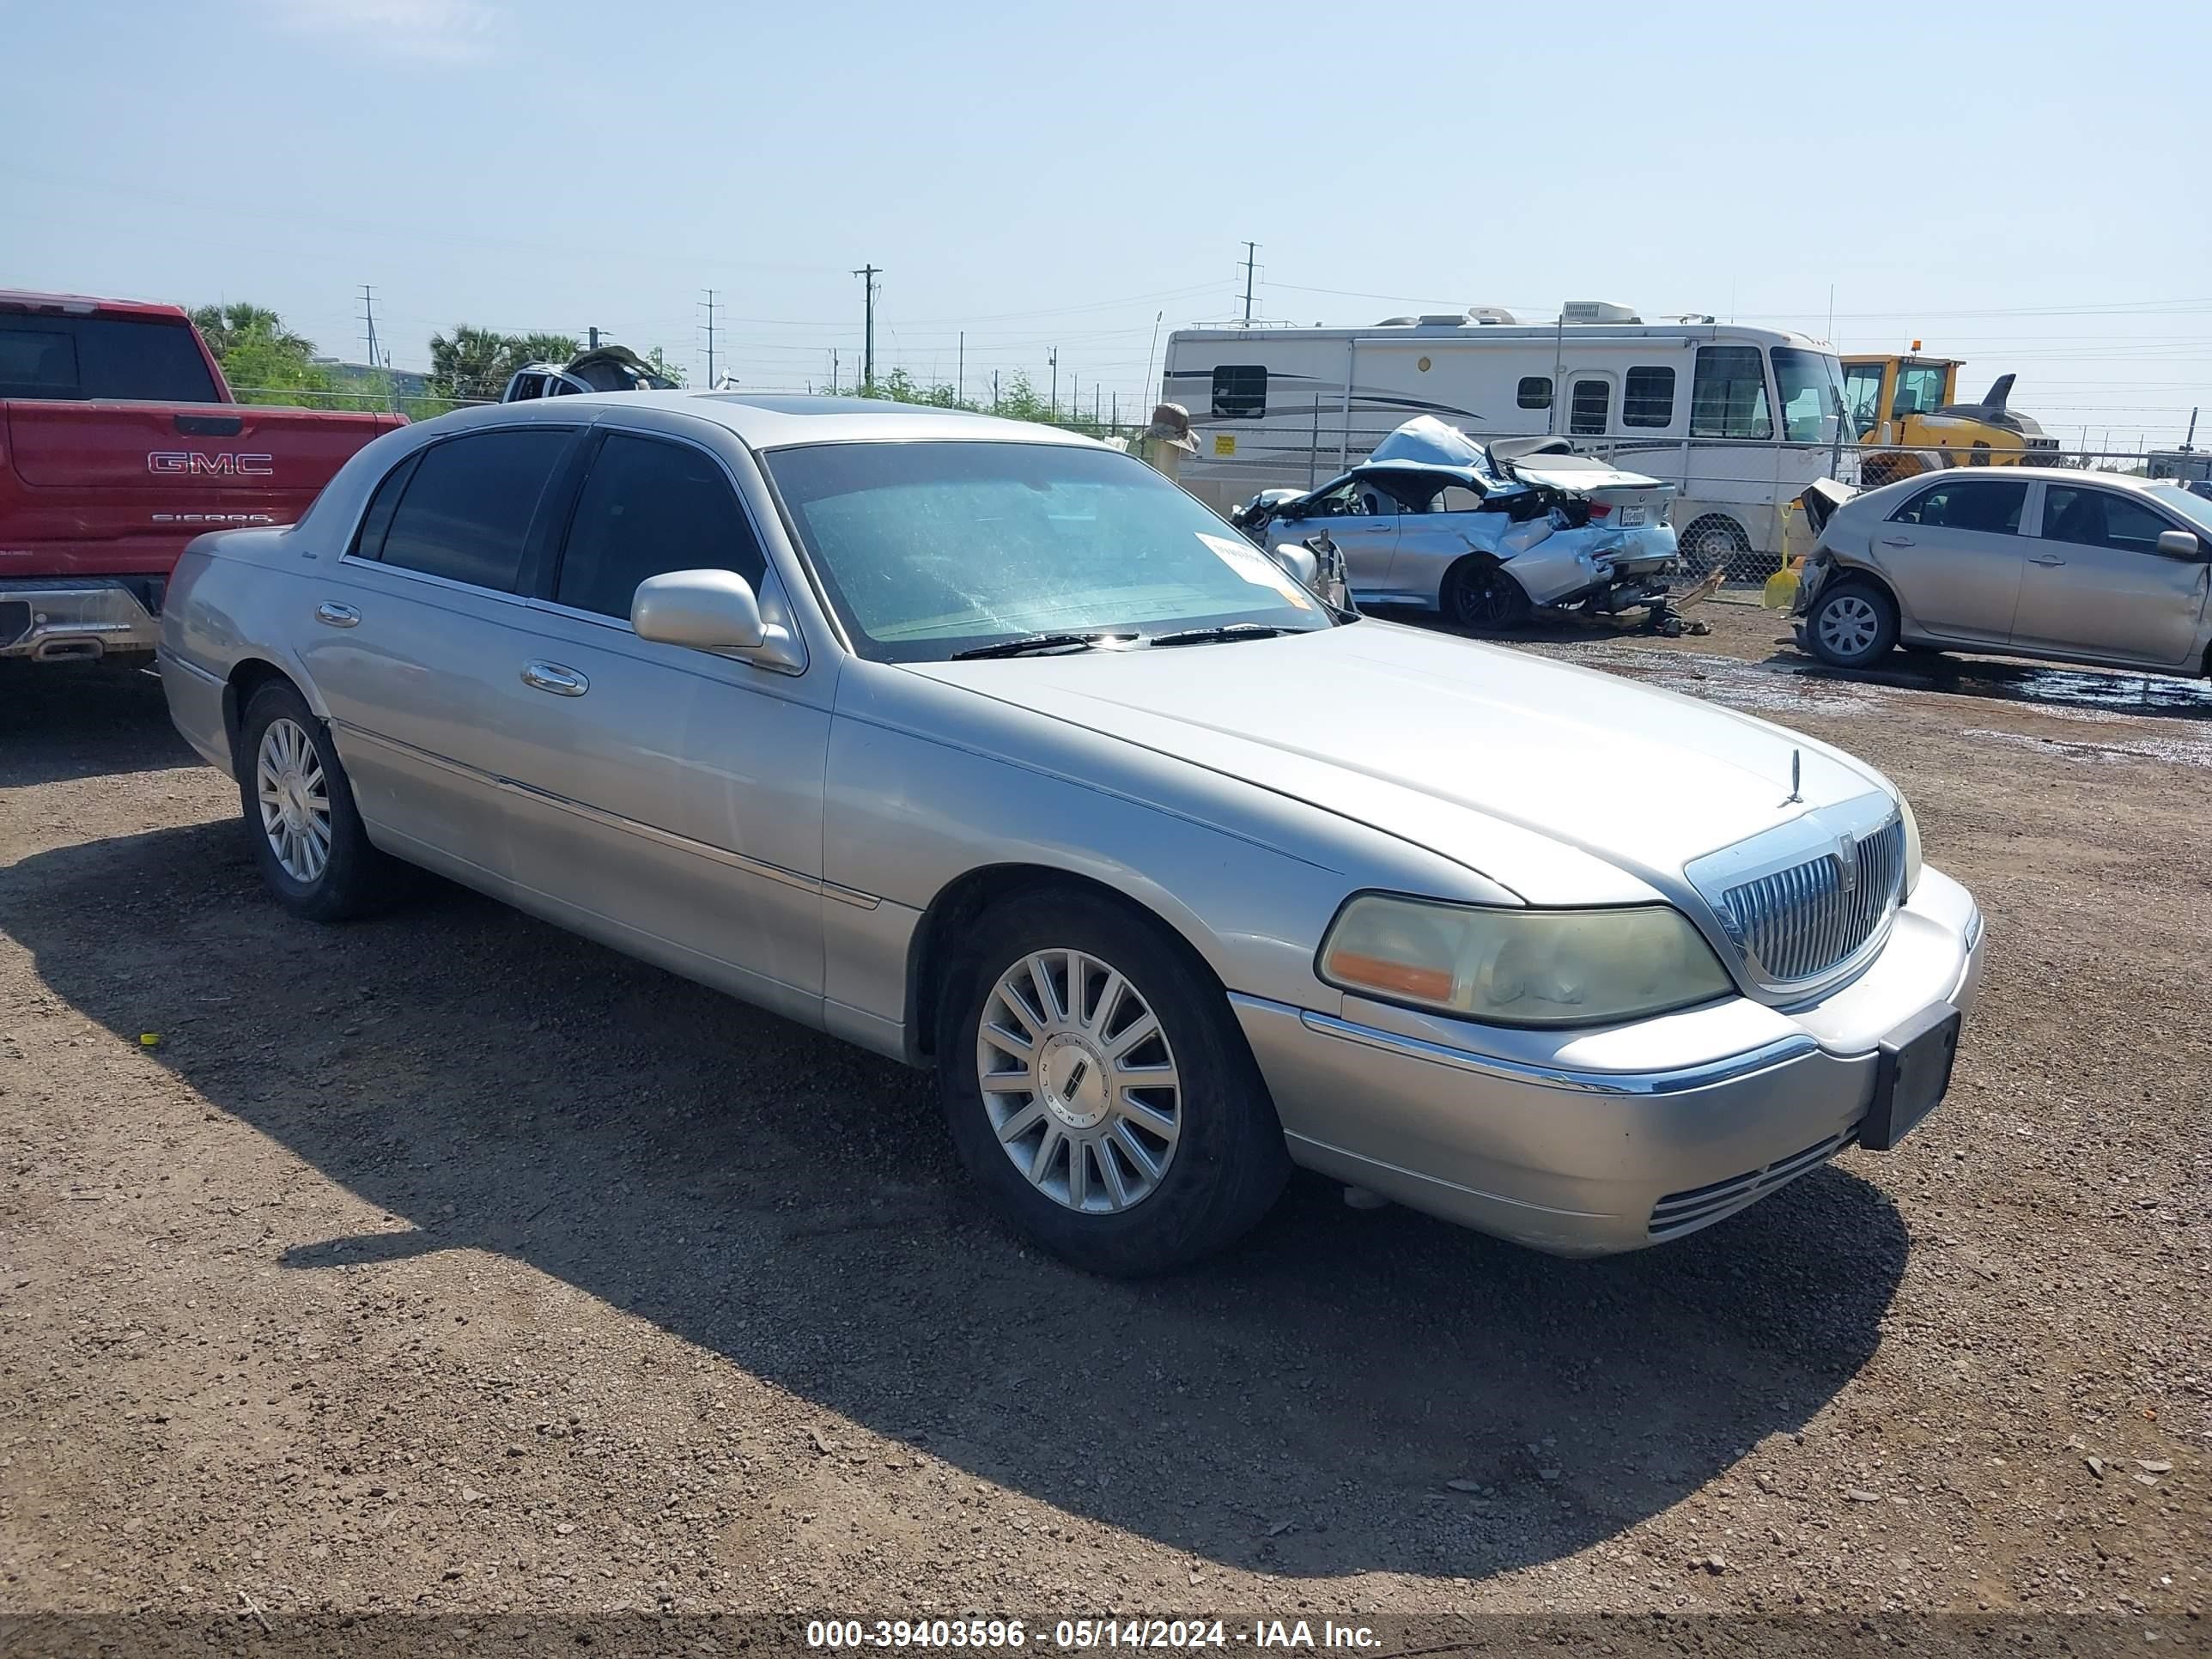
(1345, 1391)
(2106, 690)
(61, 720)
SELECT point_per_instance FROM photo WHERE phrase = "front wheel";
(1099, 1089)
(1852, 625)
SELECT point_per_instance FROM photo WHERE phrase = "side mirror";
(714, 611)
(2180, 544)
(1298, 563)
(704, 610)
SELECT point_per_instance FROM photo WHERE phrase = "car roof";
(84, 304)
(2020, 475)
(771, 421)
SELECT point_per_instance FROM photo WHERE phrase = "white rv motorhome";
(1741, 419)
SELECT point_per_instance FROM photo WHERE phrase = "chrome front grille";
(1796, 923)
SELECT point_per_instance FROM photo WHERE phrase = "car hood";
(1477, 752)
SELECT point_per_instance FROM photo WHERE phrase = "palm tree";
(226, 327)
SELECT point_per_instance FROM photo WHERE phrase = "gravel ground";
(450, 1262)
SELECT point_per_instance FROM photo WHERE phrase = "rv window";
(1727, 398)
(1588, 408)
(1535, 391)
(1240, 392)
(1647, 398)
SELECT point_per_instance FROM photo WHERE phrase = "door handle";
(337, 616)
(2046, 558)
(551, 677)
(1898, 541)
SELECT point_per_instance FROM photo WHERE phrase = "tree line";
(267, 362)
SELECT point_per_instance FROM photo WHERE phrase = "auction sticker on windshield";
(1256, 568)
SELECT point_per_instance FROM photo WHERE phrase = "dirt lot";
(447, 1261)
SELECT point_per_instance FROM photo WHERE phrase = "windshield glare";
(1811, 387)
(929, 548)
(2175, 498)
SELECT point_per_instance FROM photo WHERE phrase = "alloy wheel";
(1079, 1080)
(295, 800)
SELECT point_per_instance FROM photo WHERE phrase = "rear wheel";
(1099, 1089)
(298, 805)
(1852, 625)
(1480, 594)
(1715, 541)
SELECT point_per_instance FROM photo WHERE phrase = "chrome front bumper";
(1566, 1142)
(61, 619)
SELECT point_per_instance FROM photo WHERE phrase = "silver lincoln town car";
(985, 747)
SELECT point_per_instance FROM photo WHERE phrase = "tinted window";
(1647, 398)
(369, 542)
(1728, 394)
(1534, 391)
(2101, 518)
(466, 513)
(38, 362)
(102, 358)
(1240, 392)
(1992, 509)
(1589, 404)
(647, 508)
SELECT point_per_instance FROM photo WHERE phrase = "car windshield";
(2175, 499)
(1811, 387)
(926, 549)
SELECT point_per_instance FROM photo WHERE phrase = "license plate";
(1631, 518)
(1910, 1074)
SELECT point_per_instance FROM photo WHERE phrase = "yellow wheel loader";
(1903, 409)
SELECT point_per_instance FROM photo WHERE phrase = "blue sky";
(2023, 188)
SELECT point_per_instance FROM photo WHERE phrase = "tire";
(1852, 625)
(1715, 541)
(1479, 594)
(1114, 1195)
(299, 815)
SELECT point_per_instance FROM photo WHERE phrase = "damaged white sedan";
(1484, 533)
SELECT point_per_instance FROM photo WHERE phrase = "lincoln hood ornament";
(1796, 775)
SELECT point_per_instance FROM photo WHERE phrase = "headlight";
(1521, 967)
(1912, 844)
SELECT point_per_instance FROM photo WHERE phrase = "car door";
(404, 632)
(1953, 553)
(1361, 518)
(2097, 584)
(666, 800)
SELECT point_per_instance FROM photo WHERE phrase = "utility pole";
(1052, 357)
(594, 335)
(369, 317)
(994, 392)
(833, 371)
(868, 274)
(710, 339)
(1251, 249)
(960, 373)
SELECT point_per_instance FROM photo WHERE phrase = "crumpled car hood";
(1445, 743)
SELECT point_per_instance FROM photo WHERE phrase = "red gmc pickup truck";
(119, 442)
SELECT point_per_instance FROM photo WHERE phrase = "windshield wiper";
(1228, 631)
(1036, 644)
